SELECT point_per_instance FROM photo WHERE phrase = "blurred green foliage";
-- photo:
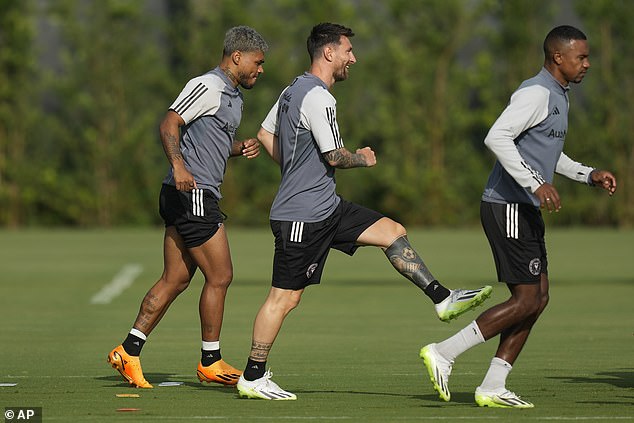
(84, 84)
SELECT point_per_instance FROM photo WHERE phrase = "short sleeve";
(197, 99)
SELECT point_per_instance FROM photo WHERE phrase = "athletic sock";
(495, 379)
(436, 292)
(210, 353)
(254, 370)
(134, 342)
(468, 337)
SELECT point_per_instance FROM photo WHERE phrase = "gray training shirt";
(212, 109)
(528, 140)
(304, 121)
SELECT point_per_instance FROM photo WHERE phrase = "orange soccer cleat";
(219, 372)
(129, 367)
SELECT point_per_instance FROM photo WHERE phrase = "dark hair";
(324, 34)
(563, 34)
(243, 38)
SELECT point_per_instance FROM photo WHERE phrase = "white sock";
(211, 346)
(467, 338)
(138, 334)
(495, 379)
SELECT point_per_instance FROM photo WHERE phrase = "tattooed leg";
(409, 264)
(260, 351)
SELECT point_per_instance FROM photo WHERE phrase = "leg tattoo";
(260, 351)
(408, 263)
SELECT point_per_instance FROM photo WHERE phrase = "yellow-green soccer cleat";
(438, 369)
(460, 301)
(263, 388)
(218, 372)
(502, 399)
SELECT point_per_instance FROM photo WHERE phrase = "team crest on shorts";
(311, 270)
(535, 266)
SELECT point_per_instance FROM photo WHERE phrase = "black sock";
(133, 344)
(254, 370)
(209, 357)
(436, 292)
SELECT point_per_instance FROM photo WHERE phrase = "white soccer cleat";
(460, 301)
(263, 388)
(438, 369)
(501, 399)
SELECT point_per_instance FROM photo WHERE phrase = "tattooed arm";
(343, 159)
(170, 137)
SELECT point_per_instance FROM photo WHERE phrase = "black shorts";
(195, 214)
(516, 235)
(301, 248)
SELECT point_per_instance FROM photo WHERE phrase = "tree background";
(84, 84)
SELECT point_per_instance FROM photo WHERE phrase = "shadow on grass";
(622, 378)
(157, 378)
(431, 400)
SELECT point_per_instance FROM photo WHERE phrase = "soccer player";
(527, 140)
(308, 217)
(198, 136)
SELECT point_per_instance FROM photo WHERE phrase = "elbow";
(262, 135)
(171, 123)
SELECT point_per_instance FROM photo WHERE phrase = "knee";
(222, 279)
(290, 303)
(284, 304)
(175, 284)
(395, 230)
(544, 299)
(535, 308)
(527, 308)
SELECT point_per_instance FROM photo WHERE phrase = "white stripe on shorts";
(512, 215)
(198, 209)
(297, 229)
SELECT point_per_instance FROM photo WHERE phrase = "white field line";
(118, 284)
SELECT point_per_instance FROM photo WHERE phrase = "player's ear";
(236, 56)
(557, 57)
(328, 53)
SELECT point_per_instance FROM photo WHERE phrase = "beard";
(246, 81)
(341, 74)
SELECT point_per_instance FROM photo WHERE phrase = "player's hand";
(184, 180)
(604, 179)
(368, 154)
(251, 148)
(548, 197)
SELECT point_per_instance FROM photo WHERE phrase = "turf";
(349, 352)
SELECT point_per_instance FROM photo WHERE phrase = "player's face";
(250, 67)
(343, 58)
(574, 61)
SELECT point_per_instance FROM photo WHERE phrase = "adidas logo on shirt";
(555, 111)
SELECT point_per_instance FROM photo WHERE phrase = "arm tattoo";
(172, 148)
(344, 159)
(259, 351)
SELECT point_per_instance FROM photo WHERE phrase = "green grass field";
(349, 352)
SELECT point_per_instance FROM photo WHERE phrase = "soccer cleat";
(218, 372)
(439, 370)
(129, 367)
(263, 388)
(502, 399)
(460, 301)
